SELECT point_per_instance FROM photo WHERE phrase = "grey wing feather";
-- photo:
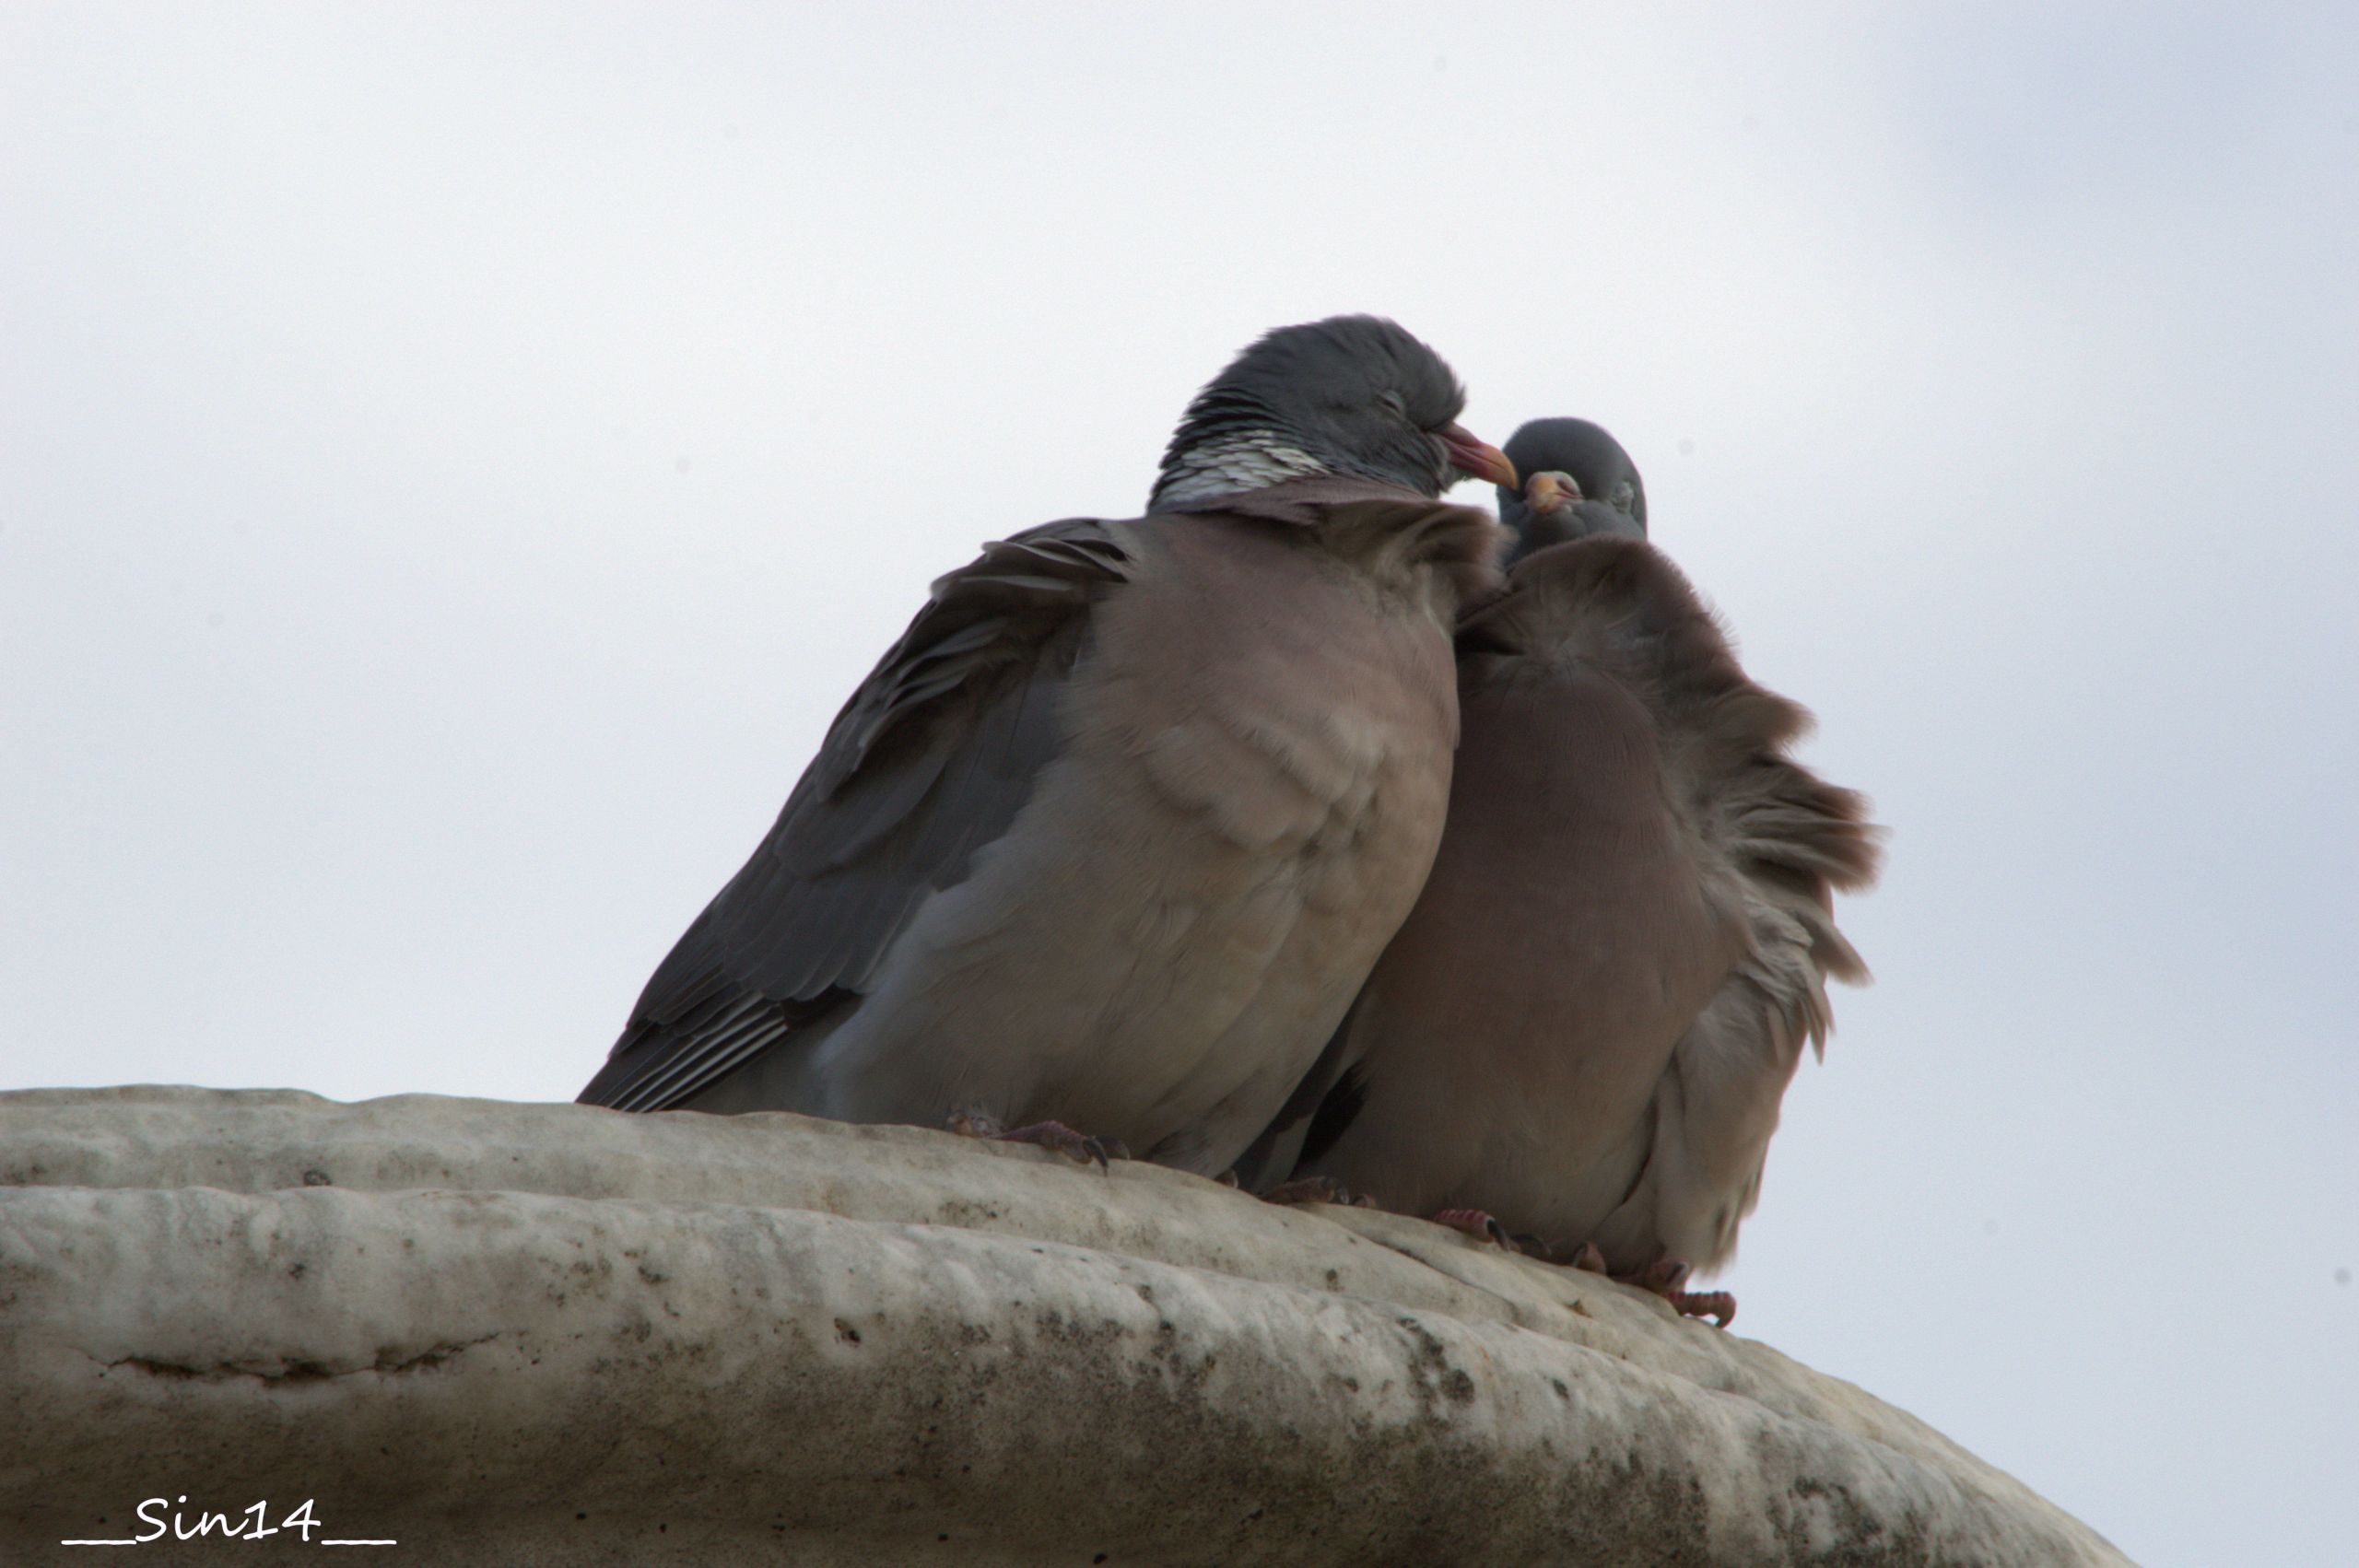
(1796, 840)
(930, 759)
(1324, 1102)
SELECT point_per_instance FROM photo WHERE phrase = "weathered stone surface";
(547, 1334)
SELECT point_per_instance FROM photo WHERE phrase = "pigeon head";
(1582, 483)
(1352, 396)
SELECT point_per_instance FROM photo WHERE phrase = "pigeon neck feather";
(1230, 465)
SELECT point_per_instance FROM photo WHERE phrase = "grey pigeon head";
(1355, 396)
(1608, 496)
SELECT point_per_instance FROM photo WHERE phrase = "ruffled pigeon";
(1584, 1029)
(1105, 845)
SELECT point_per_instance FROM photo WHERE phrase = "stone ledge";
(550, 1334)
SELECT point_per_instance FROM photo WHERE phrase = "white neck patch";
(1232, 465)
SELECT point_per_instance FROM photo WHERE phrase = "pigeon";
(1101, 850)
(1609, 498)
(1583, 1030)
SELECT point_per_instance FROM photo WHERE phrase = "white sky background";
(454, 462)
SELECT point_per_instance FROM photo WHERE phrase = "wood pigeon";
(1109, 839)
(1583, 1030)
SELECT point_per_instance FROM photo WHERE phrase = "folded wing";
(930, 759)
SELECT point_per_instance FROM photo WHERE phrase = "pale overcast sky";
(455, 458)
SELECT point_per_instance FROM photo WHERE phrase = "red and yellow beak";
(1475, 458)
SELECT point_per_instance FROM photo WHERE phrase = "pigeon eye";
(1394, 402)
(1625, 496)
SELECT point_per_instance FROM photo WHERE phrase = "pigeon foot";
(1053, 1135)
(1665, 1275)
(1478, 1224)
(1587, 1259)
(1315, 1189)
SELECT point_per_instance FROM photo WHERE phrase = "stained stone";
(530, 1334)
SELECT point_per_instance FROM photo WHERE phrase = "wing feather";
(930, 760)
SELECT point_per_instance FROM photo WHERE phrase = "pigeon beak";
(1474, 458)
(1549, 491)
